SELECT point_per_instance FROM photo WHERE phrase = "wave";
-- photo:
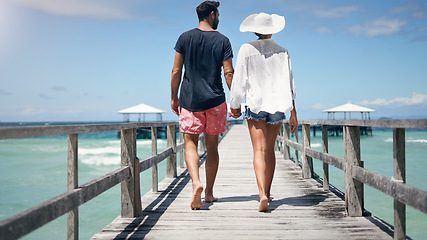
(316, 145)
(139, 142)
(409, 140)
(99, 160)
(418, 140)
(108, 155)
(51, 149)
(99, 151)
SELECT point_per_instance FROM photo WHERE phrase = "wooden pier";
(300, 209)
(303, 206)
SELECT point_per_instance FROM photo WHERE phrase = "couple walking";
(262, 77)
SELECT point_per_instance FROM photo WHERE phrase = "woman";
(263, 77)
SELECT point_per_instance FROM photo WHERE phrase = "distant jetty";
(347, 108)
(143, 110)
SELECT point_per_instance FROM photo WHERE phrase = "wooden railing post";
(286, 134)
(171, 171)
(399, 174)
(325, 150)
(277, 144)
(307, 162)
(131, 194)
(154, 169)
(296, 151)
(353, 188)
(181, 153)
(202, 144)
(72, 183)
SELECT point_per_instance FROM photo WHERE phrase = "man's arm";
(228, 75)
(176, 80)
(228, 71)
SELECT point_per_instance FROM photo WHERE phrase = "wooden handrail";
(375, 180)
(399, 190)
(43, 131)
(383, 123)
(37, 216)
(395, 187)
(33, 218)
(30, 219)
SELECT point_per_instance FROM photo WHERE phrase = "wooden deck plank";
(301, 209)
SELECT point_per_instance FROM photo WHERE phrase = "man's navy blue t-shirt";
(204, 52)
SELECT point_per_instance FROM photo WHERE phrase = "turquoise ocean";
(34, 170)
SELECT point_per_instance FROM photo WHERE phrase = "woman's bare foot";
(209, 199)
(263, 204)
(196, 200)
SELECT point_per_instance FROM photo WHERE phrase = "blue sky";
(84, 60)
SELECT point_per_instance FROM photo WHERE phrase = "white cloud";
(99, 9)
(337, 12)
(59, 88)
(31, 112)
(417, 98)
(323, 30)
(379, 27)
(321, 106)
(4, 93)
(419, 15)
(422, 29)
(407, 7)
(44, 96)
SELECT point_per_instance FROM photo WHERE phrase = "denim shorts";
(268, 117)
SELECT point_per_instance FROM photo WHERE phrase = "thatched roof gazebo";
(349, 108)
(141, 109)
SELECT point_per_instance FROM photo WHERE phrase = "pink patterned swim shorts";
(212, 121)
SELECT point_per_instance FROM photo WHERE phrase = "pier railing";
(352, 165)
(127, 175)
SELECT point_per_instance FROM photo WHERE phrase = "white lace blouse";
(263, 77)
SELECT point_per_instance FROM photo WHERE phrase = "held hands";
(235, 113)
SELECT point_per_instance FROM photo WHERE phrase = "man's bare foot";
(196, 200)
(209, 199)
(263, 204)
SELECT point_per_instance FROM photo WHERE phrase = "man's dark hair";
(205, 8)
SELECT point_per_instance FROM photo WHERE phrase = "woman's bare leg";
(270, 156)
(263, 138)
(257, 130)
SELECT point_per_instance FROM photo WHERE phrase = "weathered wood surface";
(72, 183)
(40, 131)
(300, 209)
(387, 123)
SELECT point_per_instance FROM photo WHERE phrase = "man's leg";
(192, 161)
(216, 122)
(211, 165)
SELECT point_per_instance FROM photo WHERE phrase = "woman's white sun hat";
(263, 23)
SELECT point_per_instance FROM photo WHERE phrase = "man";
(201, 106)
